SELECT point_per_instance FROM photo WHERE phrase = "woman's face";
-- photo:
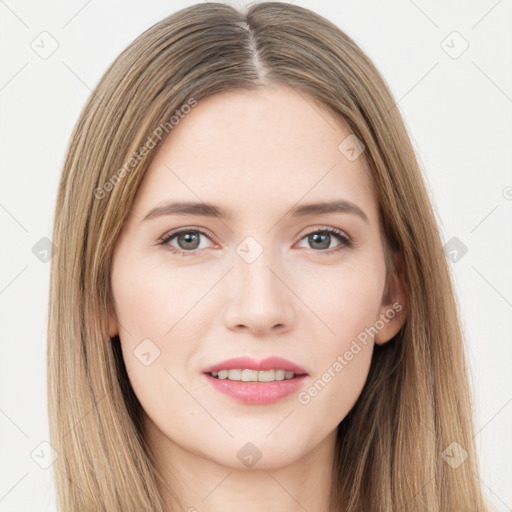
(265, 280)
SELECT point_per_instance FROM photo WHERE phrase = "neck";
(203, 483)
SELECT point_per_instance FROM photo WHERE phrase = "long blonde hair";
(390, 449)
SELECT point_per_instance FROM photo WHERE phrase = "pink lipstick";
(256, 382)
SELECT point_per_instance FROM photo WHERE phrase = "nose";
(261, 300)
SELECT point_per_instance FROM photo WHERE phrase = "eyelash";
(345, 242)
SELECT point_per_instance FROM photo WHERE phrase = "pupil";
(189, 240)
(322, 238)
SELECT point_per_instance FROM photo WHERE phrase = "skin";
(257, 154)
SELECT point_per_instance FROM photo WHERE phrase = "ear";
(392, 312)
(113, 329)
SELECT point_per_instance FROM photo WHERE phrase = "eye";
(322, 238)
(188, 241)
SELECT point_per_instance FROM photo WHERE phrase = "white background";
(458, 112)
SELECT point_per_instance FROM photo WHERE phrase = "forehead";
(250, 150)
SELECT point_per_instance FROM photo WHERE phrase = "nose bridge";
(260, 298)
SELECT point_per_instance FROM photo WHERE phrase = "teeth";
(254, 375)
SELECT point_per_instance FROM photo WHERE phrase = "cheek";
(344, 300)
(151, 301)
(159, 313)
(346, 307)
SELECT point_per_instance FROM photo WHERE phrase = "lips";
(247, 363)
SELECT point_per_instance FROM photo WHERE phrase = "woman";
(250, 305)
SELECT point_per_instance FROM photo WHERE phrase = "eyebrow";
(211, 210)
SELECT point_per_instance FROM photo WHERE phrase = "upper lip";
(269, 363)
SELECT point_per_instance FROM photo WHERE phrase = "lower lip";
(257, 393)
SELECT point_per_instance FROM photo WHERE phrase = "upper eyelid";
(202, 231)
(206, 233)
